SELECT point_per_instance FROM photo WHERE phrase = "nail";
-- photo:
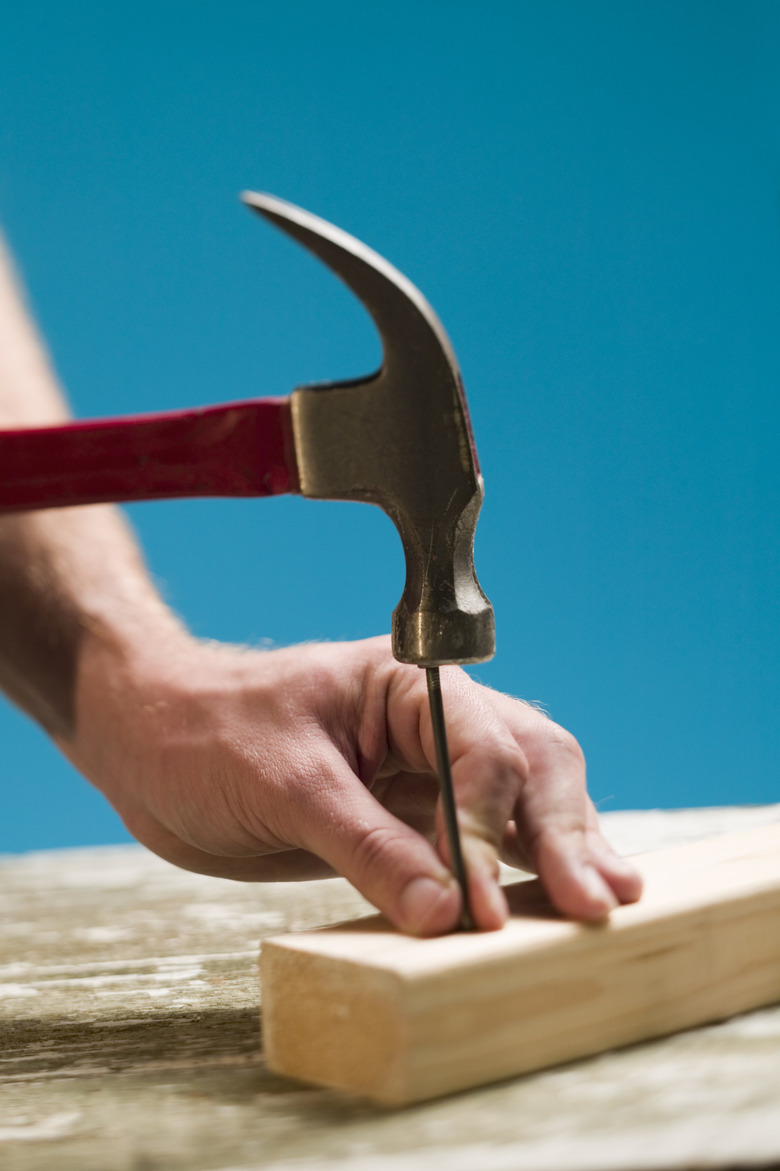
(622, 865)
(597, 890)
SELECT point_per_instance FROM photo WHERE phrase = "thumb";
(392, 865)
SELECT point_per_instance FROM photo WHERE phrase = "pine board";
(362, 1008)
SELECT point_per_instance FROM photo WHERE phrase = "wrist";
(123, 659)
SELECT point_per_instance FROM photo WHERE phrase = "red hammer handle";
(239, 449)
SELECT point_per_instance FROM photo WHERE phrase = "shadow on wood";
(68, 1047)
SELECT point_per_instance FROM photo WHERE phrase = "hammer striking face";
(400, 438)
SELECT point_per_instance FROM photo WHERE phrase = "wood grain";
(362, 1008)
(128, 1039)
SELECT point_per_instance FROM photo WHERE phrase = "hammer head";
(400, 438)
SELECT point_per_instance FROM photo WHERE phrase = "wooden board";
(128, 1039)
(362, 1008)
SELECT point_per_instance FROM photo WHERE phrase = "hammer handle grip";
(237, 449)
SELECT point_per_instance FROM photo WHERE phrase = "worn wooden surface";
(360, 1007)
(128, 1042)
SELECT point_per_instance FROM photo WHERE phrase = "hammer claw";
(401, 439)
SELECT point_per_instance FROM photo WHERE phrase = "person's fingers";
(394, 867)
(347, 832)
(488, 771)
(557, 832)
(621, 876)
(487, 778)
(562, 858)
(412, 798)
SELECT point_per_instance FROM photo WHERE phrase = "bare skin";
(286, 764)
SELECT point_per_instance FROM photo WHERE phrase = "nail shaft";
(447, 792)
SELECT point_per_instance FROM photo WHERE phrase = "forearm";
(64, 573)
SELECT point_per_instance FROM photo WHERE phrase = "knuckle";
(376, 849)
(565, 745)
(573, 749)
(509, 760)
(488, 783)
(368, 848)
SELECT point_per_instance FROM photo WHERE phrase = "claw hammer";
(400, 438)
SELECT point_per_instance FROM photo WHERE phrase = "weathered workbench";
(129, 1030)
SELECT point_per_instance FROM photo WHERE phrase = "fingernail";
(622, 864)
(424, 901)
(597, 890)
(496, 901)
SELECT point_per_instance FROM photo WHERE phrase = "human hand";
(319, 759)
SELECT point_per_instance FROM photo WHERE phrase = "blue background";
(587, 193)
